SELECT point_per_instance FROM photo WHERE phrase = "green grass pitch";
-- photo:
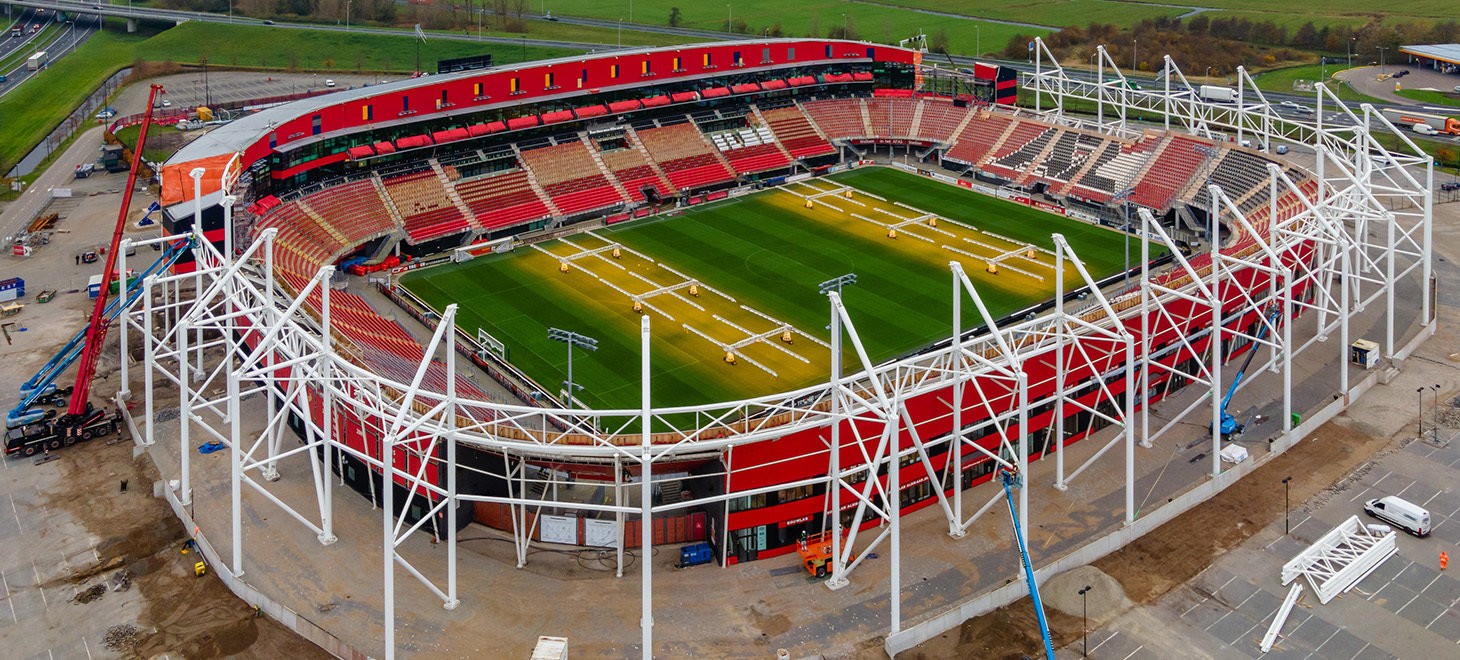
(770, 254)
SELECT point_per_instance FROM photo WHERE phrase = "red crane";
(80, 411)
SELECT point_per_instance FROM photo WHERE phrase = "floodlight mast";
(572, 339)
(837, 283)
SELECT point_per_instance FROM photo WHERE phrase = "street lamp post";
(1381, 50)
(1435, 421)
(1421, 392)
(1084, 623)
(1285, 504)
(729, 17)
(348, 4)
(1349, 48)
(977, 41)
(572, 339)
(1209, 72)
(620, 33)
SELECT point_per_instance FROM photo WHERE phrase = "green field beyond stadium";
(741, 277)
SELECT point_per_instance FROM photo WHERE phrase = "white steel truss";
(1327, 243)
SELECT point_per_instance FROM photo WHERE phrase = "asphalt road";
(58, 46)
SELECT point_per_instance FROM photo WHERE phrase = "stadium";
(855, 285)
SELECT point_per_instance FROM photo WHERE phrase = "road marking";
(8, 599)
(1133, 653)
(37, 572)
(1103, 641)
(1401, 491)
(1330, 637)
(1411, 602)
(16, 511)
(1361, 651)
(86, 646)
(1432, 498)
(1431, 584)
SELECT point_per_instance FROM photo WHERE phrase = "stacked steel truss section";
(227, 332)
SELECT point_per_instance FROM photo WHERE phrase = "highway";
(179, 16)
(58, 45)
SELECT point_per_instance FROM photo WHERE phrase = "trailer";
(28, 440)
(1412, 120)
(36, 62)
(1217, 94)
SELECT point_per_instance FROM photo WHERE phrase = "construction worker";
(1444, 560)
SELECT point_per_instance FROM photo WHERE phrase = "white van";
(1402, 513)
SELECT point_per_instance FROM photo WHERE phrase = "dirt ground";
(1145, 569)
(184, 615)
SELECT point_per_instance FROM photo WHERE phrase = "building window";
(444, 102)
(367, 113)
(315, 126)
(828, 51)
(547, 81)
(515, 85)
(678, 63)
(735, 58)
(613, 71)
(476, 90)
(708, 62)
(645, 68)
(791, 53)
(405, 104)
(583, 78)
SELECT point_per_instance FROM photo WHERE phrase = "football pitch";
(740, 279)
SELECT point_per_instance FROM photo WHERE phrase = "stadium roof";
(1442, 52)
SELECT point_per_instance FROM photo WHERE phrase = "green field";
(1051, 12)
(1431, 97)
(766, 252)
(872, 22)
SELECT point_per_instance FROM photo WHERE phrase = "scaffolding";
(1327, 245)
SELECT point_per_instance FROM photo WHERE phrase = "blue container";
(694, 555)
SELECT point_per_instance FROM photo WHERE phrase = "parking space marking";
(1361, 491)
(1407, 604)
(1432, 498)
(1294, 528)
(1133, 653)
(1401, 491)
(8, 599)
(1103, 641)
(1361, 651)
(1318, 648)
(42, 589)
(1437, 618)
(86, 646)
(15, 511)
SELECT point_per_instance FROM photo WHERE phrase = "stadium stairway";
(760, 121)
(915, 129)
(455, 197)
(385, 197)
(537, 187)
(866, 118)
(603, 169)
(796, 133)
(649, 158)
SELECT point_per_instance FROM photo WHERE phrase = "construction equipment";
(816, 553)
(41, 388)
(45, 296)
(1010, 480)
(80, 407)
(1229, 425)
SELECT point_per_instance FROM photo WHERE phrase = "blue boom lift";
(41, 388)
(1229, 425)
(1011, 481)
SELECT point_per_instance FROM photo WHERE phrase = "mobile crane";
(82, 420)
(1010, 479)
(1229, 425)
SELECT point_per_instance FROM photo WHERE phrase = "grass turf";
(768, 253)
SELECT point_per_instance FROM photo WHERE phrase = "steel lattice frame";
(194, 326)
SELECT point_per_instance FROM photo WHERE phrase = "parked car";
(1450, 185)
(329, 82)
(1402, 513)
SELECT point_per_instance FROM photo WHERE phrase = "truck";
(1412, 120)
(36, 62)
(16, 30)
(27, 440)
(1217, 93)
